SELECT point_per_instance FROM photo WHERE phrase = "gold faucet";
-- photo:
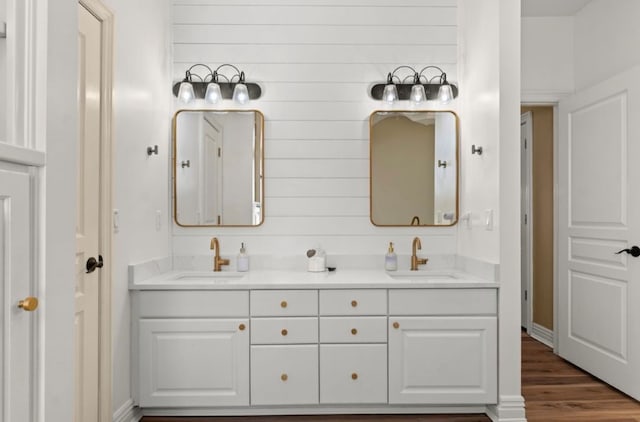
(415, 261)
(217, 261)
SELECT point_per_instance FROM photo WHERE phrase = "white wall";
(479, 122)
(547, 56)
(142, 118)
(606, 40)
(315, 63)
(59, 135)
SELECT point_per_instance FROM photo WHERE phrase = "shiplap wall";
(315, 61)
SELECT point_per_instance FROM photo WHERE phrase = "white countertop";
(293, 279)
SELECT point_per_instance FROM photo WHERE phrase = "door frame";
(551, 99)
(526, 163)
(106, 18)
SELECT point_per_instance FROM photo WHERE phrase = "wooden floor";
(554, 391)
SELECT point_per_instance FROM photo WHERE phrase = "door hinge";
(219, 219)
(526, 219)
(525, 143)
(526, 295)
(219, 152)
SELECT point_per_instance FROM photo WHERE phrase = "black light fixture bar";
(226, 89)
(404, 90)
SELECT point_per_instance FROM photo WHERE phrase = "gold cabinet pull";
(29, 304)
(396, 325)
(354, 331)
(283, 304)
(241, 327)
(354, 376)
(284, 377)
(284, 332)
(354, 303)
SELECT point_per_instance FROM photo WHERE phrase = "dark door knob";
(634, 251)
(92, 264)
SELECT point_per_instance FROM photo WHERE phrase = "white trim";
(105, 16)
(20, 155)
(127, 413)
(542, 334)
(509, 409)
(543, 97)
(526, 161)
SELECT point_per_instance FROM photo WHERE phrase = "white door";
(17, 359)
(88, 218)
(599, 208)
(526, 145)
(211, 173)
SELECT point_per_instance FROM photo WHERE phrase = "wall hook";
(186, 164)
(476, 150)
(151, 151)
(442, 163)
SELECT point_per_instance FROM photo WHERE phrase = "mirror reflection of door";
(211, 170)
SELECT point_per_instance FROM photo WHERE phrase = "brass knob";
(396, 325)
(354, 303)
(29, 304)
(354, 376)
(242, 327)
(284, 332)
(354, 331)
(283, 304)
(284, 377)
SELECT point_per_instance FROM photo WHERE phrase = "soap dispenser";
(391, 259)
(242, 262)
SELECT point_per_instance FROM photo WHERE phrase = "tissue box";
(317, 264)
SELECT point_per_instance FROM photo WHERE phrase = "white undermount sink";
(424, 276)
(211, 277)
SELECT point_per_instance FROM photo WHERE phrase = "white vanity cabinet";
(353, 346)
(284, 347)
(193, 348)
(443, 346)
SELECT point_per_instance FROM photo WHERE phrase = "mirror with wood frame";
(218, 168)
(413, 168)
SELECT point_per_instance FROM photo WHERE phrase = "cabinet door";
(284, 375)
(194, 362)
(353, 373)
(443, 360)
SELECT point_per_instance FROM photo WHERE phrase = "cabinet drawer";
(284, 375)
(284, 330)
(192, 304)
(353, 330)
(284, 302)
(353, 373)
(443, 302)
(353, 302)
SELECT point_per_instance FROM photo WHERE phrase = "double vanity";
(291, 341)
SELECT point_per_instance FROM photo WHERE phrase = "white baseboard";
(127, 413)
(509, 409)
(542, 334)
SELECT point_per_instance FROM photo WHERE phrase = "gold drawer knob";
(284, 332)
(241, 327)
(29, 304)
(284, 377)
(283, 304)
(396, 325)
(354, 376)
(354, 303)
(354, 331)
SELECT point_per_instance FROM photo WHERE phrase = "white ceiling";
(552, 7)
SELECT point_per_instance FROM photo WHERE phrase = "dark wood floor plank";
(554, 391)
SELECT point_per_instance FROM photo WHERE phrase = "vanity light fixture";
(212, 89)
(415, 86)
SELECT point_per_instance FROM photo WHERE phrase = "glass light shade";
(390, 93)
(418, 94)
(213, 94)
(240, 93)
(186, 93)
(445, 93)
